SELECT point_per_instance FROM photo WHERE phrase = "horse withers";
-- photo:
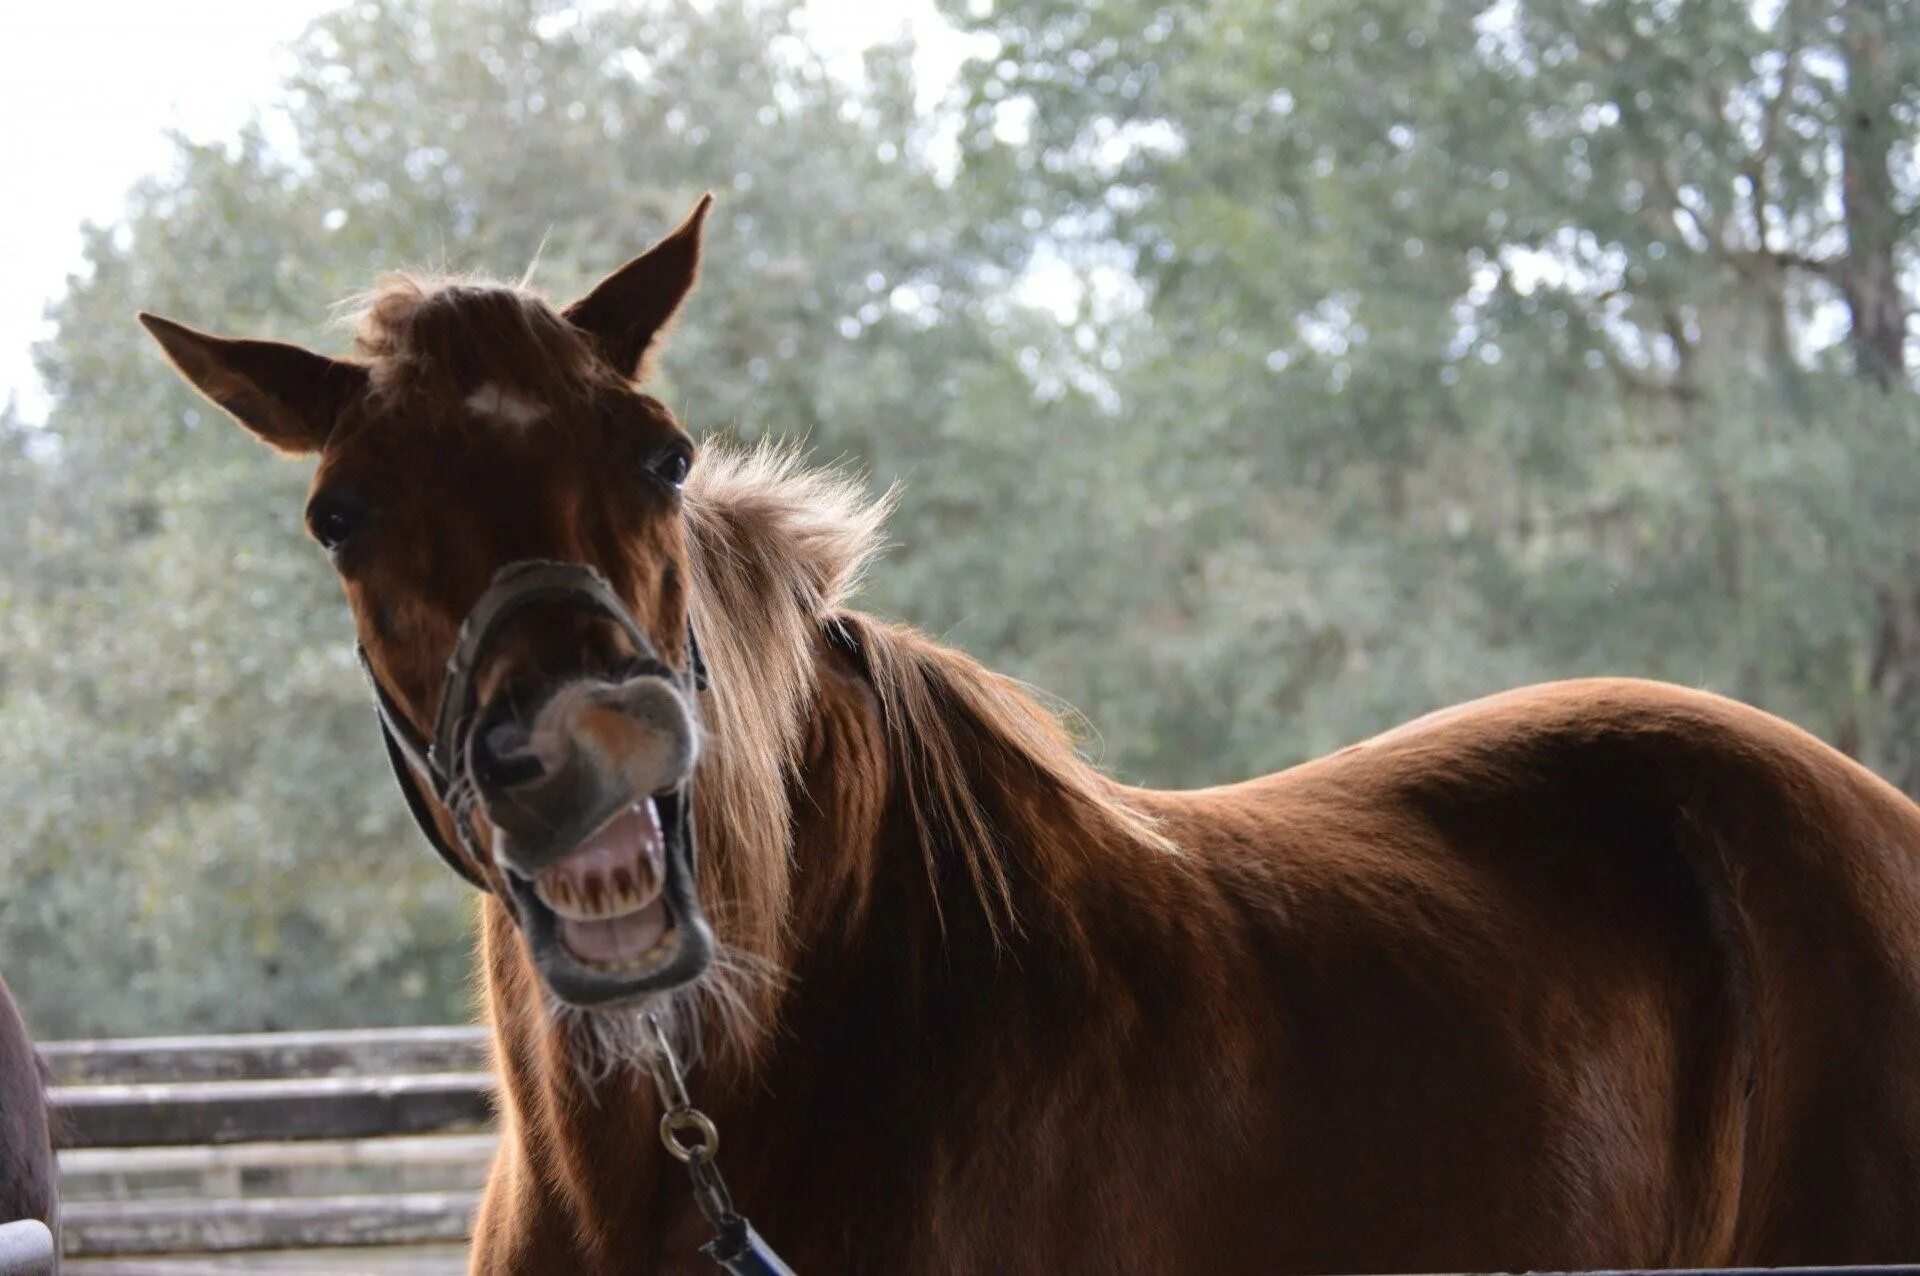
(1595, 974)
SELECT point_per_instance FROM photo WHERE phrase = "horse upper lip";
(591, 748)
(536, 825)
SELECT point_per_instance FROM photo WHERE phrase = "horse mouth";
(613, 920)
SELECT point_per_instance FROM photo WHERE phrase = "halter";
(687, 1133)
(515, 587)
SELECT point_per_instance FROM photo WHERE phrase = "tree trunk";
(1869, 283)
(1868, 277)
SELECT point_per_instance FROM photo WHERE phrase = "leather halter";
(515, 587)
(737, 1248)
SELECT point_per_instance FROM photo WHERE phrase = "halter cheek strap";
(411, 758)
(738, 1249)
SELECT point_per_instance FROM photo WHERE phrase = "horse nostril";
(501, 759)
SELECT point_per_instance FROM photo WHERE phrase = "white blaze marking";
(504, 406)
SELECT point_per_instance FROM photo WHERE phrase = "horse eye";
(672, 466)
(333, 521)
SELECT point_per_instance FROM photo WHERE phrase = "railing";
(309, 1141)
(361, 1150)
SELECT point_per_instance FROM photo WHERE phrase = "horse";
(27, 1179)
(1600, 973)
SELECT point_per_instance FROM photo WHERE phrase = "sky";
(89, 90)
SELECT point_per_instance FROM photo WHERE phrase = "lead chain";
(688, 1134)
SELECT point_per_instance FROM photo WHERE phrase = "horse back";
(1645, 962)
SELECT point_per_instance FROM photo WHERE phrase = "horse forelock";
(499, 349)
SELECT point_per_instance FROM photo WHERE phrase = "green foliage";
(204, 832)
(1392, 354)
(1479, 344)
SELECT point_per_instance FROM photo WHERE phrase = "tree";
(205, 833)
(1264, 375)
(1543, 338)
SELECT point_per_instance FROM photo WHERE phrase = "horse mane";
(995, 780)
(992, 777)
(769, 546)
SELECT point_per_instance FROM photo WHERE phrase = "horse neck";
(891, 906)
(885, 945)
(869, 880)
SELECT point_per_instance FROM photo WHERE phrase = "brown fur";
(27, 1184)
(1599, 973)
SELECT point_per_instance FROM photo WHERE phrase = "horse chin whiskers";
(731, 993)
(605, 1043)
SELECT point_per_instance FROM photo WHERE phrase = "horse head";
(502, 502)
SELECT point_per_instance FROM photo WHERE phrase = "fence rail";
(192, 1112)
(176, 1151)
(358, 1052)
(211, 1227)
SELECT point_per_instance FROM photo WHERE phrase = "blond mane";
(778, 550)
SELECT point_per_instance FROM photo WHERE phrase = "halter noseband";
(515, 587)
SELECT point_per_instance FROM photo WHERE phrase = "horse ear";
(627, 311)
(287, 397)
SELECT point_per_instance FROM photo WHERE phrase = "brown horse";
(1595, 973)
(27, 1183)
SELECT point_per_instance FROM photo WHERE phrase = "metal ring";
(680, 1119)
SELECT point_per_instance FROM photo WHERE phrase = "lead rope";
(691, 1138)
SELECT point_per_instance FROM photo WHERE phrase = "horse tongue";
(615, 941)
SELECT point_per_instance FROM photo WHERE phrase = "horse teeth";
(596, 894)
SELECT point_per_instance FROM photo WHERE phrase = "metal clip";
(737, 1249)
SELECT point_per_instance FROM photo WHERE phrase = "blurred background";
(1261, 372)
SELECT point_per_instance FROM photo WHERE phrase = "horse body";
(27, 1183)
(1560, 979)
(1594, 974)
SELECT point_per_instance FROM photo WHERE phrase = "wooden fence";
(310, 1152)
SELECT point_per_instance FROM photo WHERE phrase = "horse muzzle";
(590, 831)
(589, 805)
